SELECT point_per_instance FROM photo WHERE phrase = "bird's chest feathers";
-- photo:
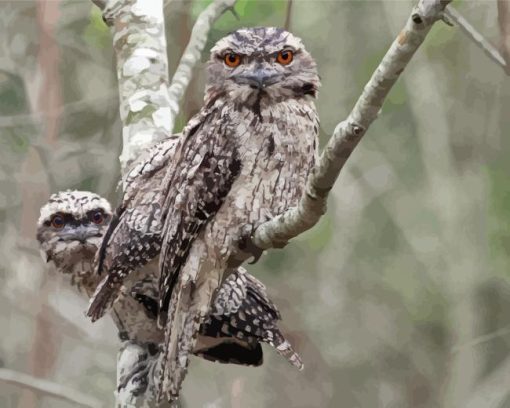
(277, 134)
(277, 151)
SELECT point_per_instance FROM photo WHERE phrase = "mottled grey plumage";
(73, 245)
(243, 159)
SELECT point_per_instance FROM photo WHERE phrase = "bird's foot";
(247, 245)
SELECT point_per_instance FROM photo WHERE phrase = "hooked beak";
(81, 233)
(258, 79)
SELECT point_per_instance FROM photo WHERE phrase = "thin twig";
(47, 388)
(482, 339)
(504, 29)
(193, 52)
(489, 49)
(312, 205)
(492, 390)
(288, 15)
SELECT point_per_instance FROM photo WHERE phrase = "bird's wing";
(231, 294)
(133, 237)
(201, 176)
(242, 315)
(147, 168)
(199, 179)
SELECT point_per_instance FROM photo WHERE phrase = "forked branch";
(312, 205)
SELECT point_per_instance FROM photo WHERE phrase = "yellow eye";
(232, 60)
(285, 57)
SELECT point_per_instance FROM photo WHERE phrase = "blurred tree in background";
(400, 297)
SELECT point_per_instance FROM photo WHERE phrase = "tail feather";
(282, 346)
(103, 298)
(182, 327)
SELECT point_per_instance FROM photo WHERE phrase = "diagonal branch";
(489, 49)
(193, 52)
(48, 388)
(504, 29)
(312, 205)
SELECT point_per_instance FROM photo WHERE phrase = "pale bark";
(47, 388)
(278, 231)
(139, 41)
(148, 105)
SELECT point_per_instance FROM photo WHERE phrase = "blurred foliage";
(96, 33)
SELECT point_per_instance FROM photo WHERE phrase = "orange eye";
(232, 60)
(57, 221)
(285, 57)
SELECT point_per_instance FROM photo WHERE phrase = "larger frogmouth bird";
(242, 160)
(70, 230)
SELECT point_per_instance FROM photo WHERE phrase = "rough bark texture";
(312, 206)
(142, 70)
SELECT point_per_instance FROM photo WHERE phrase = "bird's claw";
(247, 245)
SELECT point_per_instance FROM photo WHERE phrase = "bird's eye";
(97, 217)
(57, 221)
(285, 57)
(232, 59)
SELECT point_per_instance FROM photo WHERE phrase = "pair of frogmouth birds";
(167, 261)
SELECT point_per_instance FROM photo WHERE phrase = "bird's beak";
(258, 78)
(82, 233)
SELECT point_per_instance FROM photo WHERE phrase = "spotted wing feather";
(250, 320)
(197, 184)
(198, 181)
(134, 235)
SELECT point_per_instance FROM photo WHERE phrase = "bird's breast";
(277, 151)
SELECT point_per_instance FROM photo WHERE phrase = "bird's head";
(261, 64)
(71, 226)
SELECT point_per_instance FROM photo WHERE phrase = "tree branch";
(47, 388)
(312, 205)
(193, 52)
(489, 49)
(148, 108)
(139, 41)
(504, 29)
